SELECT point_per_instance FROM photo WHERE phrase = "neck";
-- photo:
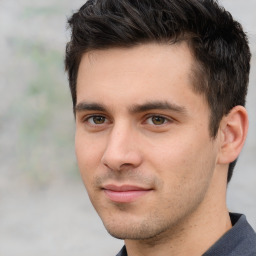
(195, 234)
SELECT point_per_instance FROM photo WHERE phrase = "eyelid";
(167, 119)
(87, 117)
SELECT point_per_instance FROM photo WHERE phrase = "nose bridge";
(121, 148)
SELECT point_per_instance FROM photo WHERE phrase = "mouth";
(124, 193)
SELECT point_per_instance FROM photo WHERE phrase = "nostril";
(118, 162)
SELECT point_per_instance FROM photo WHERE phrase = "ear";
(233, 129)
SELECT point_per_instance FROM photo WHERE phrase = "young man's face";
(142, 138)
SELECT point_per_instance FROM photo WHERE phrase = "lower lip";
(125, 196)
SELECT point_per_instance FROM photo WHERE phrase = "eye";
(156, 120)
(96, 120)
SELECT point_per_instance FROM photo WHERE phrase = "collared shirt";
(240, 240)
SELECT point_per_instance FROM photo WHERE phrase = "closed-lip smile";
(124, 193)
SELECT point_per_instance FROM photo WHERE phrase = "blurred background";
(44, 208)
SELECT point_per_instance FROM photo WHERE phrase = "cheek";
(182, 157)
(170, 152)
(185, 172)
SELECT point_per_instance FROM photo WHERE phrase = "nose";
(122, 150)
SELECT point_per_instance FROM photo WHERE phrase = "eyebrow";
(83, 106)
(137, 108)
(163, 105)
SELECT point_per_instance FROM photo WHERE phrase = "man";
(158, 90)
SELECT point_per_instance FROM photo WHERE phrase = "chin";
(135, 230)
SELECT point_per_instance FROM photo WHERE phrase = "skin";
(141, 128)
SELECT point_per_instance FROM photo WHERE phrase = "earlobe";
(233, 128)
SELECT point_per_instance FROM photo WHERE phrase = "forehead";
(142, 73)
(150, 55)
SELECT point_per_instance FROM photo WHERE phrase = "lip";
(124, 193)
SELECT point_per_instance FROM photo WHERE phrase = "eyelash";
(164, 119)
(87, 118)
(161, 117)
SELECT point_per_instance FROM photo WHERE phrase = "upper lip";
(123, 188)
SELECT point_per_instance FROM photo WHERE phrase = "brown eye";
(96, 120)
(157, 120)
